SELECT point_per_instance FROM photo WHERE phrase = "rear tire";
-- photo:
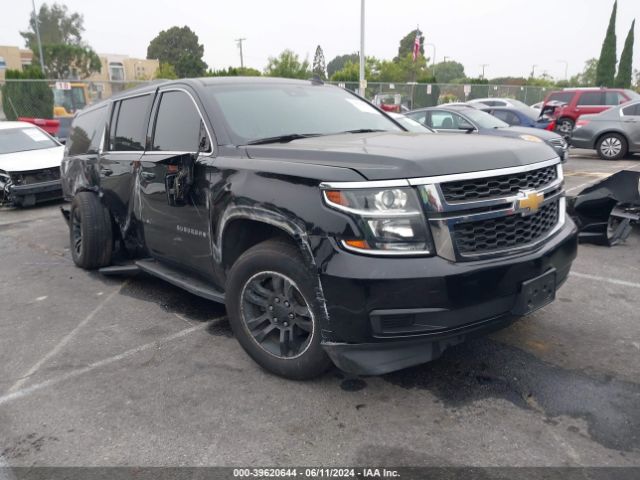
(274, 311)
(565, 126)
(90, 233)
(612, 146)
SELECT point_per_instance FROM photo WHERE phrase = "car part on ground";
(382, 246)
(605, 212)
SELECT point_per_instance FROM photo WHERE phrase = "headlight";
(531, 138)
(391, 220)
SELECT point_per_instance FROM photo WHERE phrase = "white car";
(29, 165)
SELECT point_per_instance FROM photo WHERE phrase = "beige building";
(13, 58)
(119, 72)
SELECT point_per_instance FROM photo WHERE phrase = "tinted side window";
(613, 98)
(591, 98)
(420, 117)
(632, 110)
(561, 96)
(131, 124)
(502, 115)
(86, 132)
(442, 120)
(178, 126)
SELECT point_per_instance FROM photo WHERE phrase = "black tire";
(288, 346)
(612, 146)
(565, 126)
(90, 233)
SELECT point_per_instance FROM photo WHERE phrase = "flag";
(416, 46)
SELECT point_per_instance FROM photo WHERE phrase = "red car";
(583, 101)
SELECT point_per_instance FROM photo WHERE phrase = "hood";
(515, 132)
(31, 159)
(393, 155)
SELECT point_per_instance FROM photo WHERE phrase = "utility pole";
(239, 42)
(434, 52)
(35, 18)
(362, 86)
(483, 67)
(533, 71)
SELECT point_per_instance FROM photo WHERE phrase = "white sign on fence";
(63, 86)
(428, 89)
(467, 89)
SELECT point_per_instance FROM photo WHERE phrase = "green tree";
(287, 65)
(234, 72)
(319, 67)
(447, 72)
(625, 69)
(26, 99)
(607, 63)
(57, 26)
(588, 76)
(165, 71)
(68, 61)
(351, 71)
(179, 47)
(340, 61)
(406, 44)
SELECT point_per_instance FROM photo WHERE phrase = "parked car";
(499, 102)
(537, 106)
(465, 119)
(29, 165)
(585, 101)
(517, 117)
(329, 232)
(612, 133)
(410, 124)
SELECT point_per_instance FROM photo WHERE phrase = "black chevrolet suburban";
(329, 232)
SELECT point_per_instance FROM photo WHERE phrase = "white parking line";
(100, 363)
(586, 184)
(63, 342)
(615, 281)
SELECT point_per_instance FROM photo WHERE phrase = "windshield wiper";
(283, 138)
(364, 130)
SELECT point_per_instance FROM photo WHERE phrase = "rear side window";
(633, 110)
(178, 124)
(130, 124)
(86, 132)
(564, 97)
(613, 98)
(591, 98)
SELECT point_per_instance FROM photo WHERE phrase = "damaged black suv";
(329, 232)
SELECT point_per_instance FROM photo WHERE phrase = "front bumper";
(582, 138)
(392, 313)
(30, 194)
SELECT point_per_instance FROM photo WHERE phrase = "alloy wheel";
(276, 315)
(76, 231)
(611, 147)
(565, 127)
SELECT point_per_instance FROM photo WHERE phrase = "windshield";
(23, 139)
(71, 100)
(483, 119)
(254, 112)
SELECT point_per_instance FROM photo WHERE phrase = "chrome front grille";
(501, 233)
(494, 213)
(500, 186)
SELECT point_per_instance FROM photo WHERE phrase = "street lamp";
(483, 67)
(362, 87)
(434, 52)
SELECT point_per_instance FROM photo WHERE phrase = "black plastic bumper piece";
(384, 357)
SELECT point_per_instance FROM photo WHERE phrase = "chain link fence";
(61, 99)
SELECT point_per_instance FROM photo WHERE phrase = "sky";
(509, 35)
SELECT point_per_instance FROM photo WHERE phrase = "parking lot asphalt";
(100, 370)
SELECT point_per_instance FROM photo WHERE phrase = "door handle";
(148, 175)
(107, 172)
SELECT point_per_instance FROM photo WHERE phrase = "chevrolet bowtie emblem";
(529, 201)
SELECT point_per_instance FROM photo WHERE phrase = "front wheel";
(565, 126)
(274, 310)
(90, 232)
(611, 146)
